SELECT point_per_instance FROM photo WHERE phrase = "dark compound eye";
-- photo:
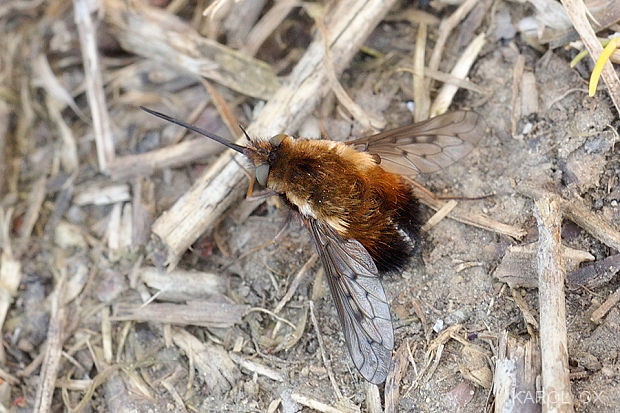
(262, 173)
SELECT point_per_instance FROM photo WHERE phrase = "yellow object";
(598, 68)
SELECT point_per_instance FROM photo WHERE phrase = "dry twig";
(400, 362)
(446, 27)
(517, 74)
(94, 84)
(267, 24)
(421, 93)
(476, 220)
(154, 34)
(610, 302)
(130, 166)
(53, 350)
(444, 97)
(557, 394)
(314, 404)
(439, 215)
(516, 371)
(199, 313)
(257, 367)
(183, 285)
(367, 120)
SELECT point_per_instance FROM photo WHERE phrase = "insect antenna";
(245, 133)
(217, 138)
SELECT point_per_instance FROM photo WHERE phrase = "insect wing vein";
(427, 146)
(360, 301)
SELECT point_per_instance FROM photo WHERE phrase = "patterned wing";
(427, 146)
(360, 300)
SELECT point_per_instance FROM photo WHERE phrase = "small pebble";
(438, 326)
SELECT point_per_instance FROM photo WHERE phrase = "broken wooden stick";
(102, 128)
(557, 394)
(516, 371)
(157, 35)
(473, 219)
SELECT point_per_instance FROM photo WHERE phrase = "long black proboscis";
(196, 129)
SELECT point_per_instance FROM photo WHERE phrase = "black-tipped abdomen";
(394, 249)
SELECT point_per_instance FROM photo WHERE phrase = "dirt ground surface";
(63, 225)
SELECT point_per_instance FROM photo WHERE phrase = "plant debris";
(135, 277)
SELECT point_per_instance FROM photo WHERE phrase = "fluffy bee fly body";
(333, 183)
(355, 201)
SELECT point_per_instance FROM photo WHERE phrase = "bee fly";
(355, 201)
